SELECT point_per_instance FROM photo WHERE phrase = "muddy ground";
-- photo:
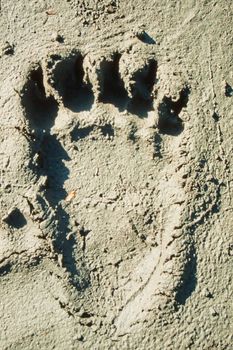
(116, 174)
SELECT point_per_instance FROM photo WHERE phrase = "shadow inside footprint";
(52, 163)
(157, 141)
(81, 133)
(40, 110)
(140, 107)
(189, 279)
(68, 80)
(169, 121)
(52, 157)
(113, 90)
(142, 89)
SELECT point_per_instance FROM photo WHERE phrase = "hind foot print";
(108, 130)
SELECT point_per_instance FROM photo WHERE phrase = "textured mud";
(116, 184)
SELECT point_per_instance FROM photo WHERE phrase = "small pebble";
(228, 90)
(8, 49)
(207, 293)
(230, 249)
(57, 37)
(80, 337)
(213, 312)
(111, 9)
